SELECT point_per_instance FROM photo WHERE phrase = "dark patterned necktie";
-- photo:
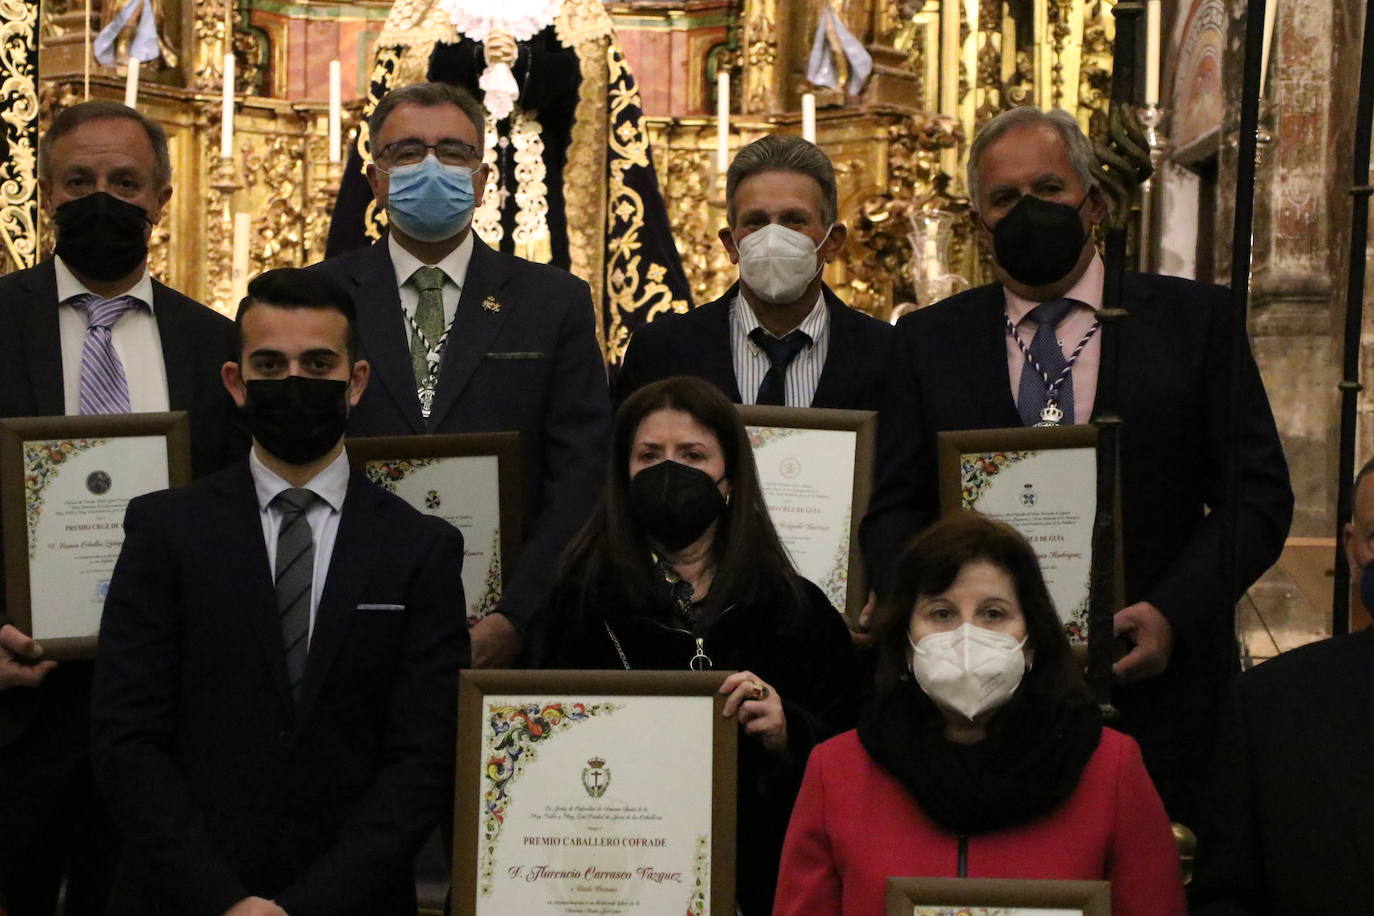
(295, 578)
(1045, 350)
(104, 388)
(780, 353)
(429, 318)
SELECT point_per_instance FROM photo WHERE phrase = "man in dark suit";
(779, 335)
(1016, 352)
(89, 331)
(275, 702)
(1289, 820)
(464, 339)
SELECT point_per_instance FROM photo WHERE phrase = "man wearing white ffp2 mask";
(778, 336)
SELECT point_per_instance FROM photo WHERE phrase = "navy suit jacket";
(698, 343)
(221, 786)
(1290, 825)
(949, 372)
(196, 341)
(522, 356)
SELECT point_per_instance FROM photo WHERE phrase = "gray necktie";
(1045, 350)
(103, 387)
(429, 318)
(295, 578)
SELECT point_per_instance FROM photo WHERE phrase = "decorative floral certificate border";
(64, 485)
(472, 482)
(816, 470)
(564, 805)
(1043, 482)
(997, 897)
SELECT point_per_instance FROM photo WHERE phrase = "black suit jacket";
(195, 342)
(698, 343)
(221, 788)
(1290, 825)
(949, 372)
(521, 355)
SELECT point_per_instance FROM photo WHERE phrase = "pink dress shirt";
(1087, 292)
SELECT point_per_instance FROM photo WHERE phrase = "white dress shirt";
(330, 485)
(752, 364)
(454, 266)
(135, 339)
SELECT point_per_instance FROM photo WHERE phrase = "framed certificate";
(997, 897)
(1043, 482)
(816, 470)
(64, 485)
(471, 481)
(567, 803)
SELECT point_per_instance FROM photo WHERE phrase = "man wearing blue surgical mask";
(779, 336)
(465, 339)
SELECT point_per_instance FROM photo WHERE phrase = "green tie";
(429, 318)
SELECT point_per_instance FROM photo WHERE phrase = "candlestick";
(1152, 51)
(1269, 11)
(335, 112)
(722, 120)
(243, 224)
(226, 118)
(131, 84)
(809, 117)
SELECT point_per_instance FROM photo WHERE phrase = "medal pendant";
(1050, 415)
(426, 401)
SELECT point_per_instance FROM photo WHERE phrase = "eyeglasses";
(448, 152)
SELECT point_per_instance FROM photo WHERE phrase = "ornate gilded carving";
(19, 120)
(276, 166)
(1095, 70)
(688, 185)
(486, 221)
(211, 42)
(587, 156)
(762, 91)
(219, 233)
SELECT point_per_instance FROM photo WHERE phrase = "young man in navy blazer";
(1017, 351)
(465, 339)
(778, 336)
(275, 691)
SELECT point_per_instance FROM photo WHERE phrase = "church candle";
(809, 117)
(722, 120)
(335, 112)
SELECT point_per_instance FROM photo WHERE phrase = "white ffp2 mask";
(777, 263)
(970, 670)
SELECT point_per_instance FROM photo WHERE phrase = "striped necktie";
(104, 387)
(295, 579)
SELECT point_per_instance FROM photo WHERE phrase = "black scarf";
(1029, 762)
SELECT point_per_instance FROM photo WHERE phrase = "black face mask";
(100, 236)
(674, 503)
(297, 419)
(1038, 241)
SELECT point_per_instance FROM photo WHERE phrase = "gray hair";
(786, 153)
(1080, 148)
(69, 119)
(428, 95)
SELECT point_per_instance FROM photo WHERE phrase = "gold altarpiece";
(941, 67)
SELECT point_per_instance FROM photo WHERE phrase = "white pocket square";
(381, 607)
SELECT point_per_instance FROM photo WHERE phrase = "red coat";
(854, 825)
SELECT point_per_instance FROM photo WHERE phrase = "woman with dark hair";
(981, 753)
(680, 568)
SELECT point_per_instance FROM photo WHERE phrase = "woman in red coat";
(981, 755)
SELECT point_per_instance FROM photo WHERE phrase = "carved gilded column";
(19, 121)
(763, 80)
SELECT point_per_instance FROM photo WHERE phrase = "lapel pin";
(491, 305)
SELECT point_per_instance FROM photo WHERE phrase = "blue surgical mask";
(430, 201)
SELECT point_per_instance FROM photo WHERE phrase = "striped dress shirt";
(751, 363)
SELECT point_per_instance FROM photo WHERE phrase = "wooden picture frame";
(507, 723)
(1053, 504)
(790, 479)
(1000, 896)
(417, 468)
(64, 530)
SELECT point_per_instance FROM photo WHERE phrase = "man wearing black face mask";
(90, 331)
(1025, 351)
(274, 703)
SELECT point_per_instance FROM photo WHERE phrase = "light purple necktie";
(104, 388)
